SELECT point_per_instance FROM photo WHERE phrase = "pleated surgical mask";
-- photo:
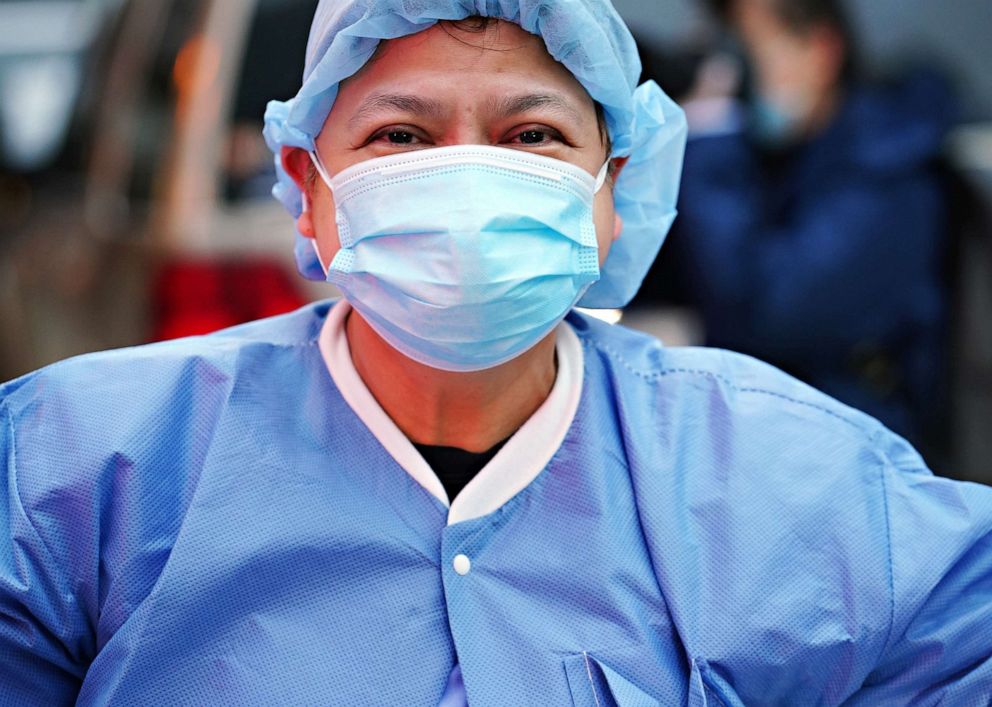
(464, 257)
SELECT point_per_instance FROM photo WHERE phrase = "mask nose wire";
(322, 171)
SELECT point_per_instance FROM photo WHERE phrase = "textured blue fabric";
(206, 522)
(586, 36)
(830, 254)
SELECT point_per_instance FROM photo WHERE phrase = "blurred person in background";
(449, 487)
(812, 212)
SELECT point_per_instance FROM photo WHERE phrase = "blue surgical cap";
(586, 36)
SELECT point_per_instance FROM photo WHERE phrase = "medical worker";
(449, 488)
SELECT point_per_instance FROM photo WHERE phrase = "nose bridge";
(468, 122)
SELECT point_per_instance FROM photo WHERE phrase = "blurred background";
(135, 206)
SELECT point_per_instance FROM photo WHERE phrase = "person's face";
(447, 86)
(794, 71)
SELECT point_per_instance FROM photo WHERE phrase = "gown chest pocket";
(593, 683)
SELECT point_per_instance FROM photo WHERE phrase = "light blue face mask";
(464, 257)
(774, 124)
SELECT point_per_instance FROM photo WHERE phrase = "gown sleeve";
(939, 649)
(41, 626)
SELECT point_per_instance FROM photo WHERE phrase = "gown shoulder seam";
(659, 374)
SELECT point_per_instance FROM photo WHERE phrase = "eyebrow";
(514, 105)
(401, 102)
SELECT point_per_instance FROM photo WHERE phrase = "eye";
(396, 136)
(537, 137)
(532, 137)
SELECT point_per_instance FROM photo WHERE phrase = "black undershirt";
(456, 467)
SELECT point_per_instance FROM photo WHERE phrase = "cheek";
(792, 70)
(779, 64)
(604, 219)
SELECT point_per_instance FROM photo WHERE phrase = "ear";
(618, 164)
(617, 226)
(296, 162)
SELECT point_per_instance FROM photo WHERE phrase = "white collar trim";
(513, 468)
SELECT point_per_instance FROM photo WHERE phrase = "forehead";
(458, 58)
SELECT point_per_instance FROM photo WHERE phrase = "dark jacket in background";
(826, 259)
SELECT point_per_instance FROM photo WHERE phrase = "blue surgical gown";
(207, 522)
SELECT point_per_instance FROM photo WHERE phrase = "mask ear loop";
(316, 249)
(604, 171)
(315, 158)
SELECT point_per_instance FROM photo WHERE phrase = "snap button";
(462, 564)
